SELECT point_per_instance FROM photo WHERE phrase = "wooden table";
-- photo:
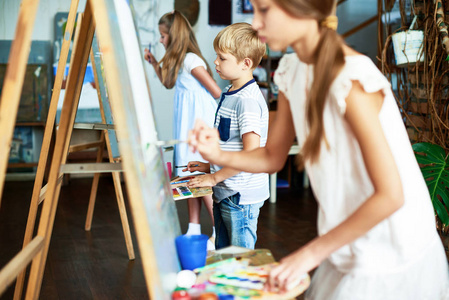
(273, 177)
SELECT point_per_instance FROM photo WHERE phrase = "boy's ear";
(248, 63)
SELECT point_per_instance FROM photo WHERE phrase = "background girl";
(184, 68)
(376, 225)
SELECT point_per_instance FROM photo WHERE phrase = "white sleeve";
(366, 73)
(284, 73)
(192, 61)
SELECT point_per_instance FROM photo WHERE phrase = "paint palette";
(235, 276)
(249, 278)
(237, 273)
(181, 192)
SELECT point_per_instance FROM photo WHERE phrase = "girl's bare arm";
(362, 115)
(207, 81)
(250, 141)
(152, 60)
(268, 159)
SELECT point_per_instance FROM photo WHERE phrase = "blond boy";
(242, 121)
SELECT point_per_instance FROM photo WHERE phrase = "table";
(294, 149)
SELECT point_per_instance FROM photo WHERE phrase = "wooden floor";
(95, 265)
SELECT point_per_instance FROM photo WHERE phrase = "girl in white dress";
(184, 68)
(377, 237)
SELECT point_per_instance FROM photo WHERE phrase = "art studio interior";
(94, 192)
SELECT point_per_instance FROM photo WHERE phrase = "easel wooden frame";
(97, 11)
(10, 98)
(38, 191)
(38, 194)
(14, 77)
(73, 90)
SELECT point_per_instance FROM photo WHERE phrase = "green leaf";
(441, 211)
(434, 165)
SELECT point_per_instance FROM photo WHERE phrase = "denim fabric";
(236, 224)
(224, 128)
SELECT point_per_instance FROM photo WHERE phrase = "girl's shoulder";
(191, 55)
(286, 71)
(287, 63)
(192, 60)
(362, 69)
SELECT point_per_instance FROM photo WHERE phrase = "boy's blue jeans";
(235, 224)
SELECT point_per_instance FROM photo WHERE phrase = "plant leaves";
(434, 165)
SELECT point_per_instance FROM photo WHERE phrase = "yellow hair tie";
(330, 22)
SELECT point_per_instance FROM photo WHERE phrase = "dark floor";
(95, 265)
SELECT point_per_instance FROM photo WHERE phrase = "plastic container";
(408, 46)
(192, 250)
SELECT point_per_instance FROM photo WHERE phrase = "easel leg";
(46, 142)
(123, 215)
(115, 175)
(14, 77)
(74, 85)
(94, 189)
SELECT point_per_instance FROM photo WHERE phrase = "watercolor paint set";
(231, 277)
(241, 278)
(235, 278)
(181, 192)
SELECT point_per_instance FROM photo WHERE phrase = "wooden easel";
(154, 212)
(9, 103)
(106, 141)
(38, 191)
(12, 86)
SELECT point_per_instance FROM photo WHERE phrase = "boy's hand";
(205, 140)
(202, 180)
(197, 166)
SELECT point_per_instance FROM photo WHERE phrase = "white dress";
(191, 101)
(400, 258)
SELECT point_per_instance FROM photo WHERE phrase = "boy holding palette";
(242, 121)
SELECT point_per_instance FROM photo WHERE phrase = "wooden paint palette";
(181, 192)
(248, 277)
(236, 277)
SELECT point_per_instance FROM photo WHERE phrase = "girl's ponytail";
(329, 59)
(178, 33)
(181, 41)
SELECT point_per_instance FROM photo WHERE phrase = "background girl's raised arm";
(153, 61)
(207, 81)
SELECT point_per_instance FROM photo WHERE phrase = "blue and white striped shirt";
(242, 111)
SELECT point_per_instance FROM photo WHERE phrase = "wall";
(43, 27)
(163, 98)
(350, 13)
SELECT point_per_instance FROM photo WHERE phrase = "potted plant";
(434, 163)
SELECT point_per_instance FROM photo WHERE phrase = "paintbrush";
(168, 143)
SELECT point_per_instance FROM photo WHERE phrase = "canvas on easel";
(153, 210)
(149, 194)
